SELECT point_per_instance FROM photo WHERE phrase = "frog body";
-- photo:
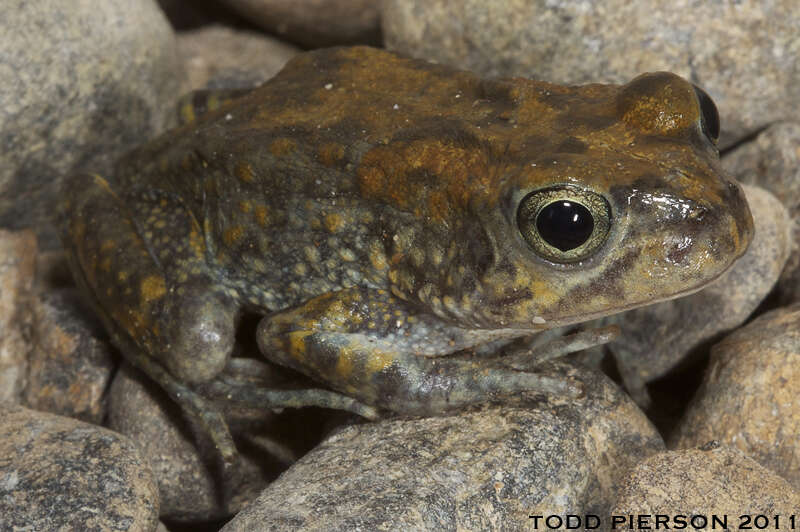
(385, 215)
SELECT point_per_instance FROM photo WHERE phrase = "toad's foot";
(524, 358)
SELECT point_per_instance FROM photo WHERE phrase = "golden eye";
(564, 224)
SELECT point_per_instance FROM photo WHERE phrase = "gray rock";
(772, 161)
(70, 368)
(57, 473)
(656, 338)
(186, 469)
(221, 57)
(743, 53)
(80, 83)
(709, 481)
(749, 398)
(472, 471)
(314, 23)
(17, 264)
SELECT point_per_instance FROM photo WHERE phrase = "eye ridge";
(564, 224)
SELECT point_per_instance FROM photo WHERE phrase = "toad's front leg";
(372, 346)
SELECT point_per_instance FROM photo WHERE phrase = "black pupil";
(710, 119)
(565, 224)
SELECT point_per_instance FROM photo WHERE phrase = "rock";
(220, 57)
(57, 473)
(70, 366)
(772, 161)
(188, 476)
(470, 471)
(17, 264)
(314, 23)
(749, 398)
(710, 481)
(80, 84)
(656, 338)
(743, 54)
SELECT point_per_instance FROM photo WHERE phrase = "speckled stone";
(712, 480)
(749, 398)
(772, 161)
(58, 473)
(81, 82)
(188, 476)
(656, 338)
(315, 23)
(17, 264)
(70, 366)
(473, 471)
(221, 57)
(743, 53)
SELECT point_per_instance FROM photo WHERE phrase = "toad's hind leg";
(146, 277)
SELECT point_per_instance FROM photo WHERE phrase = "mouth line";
(572, 320)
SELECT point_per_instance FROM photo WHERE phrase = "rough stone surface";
(188, 476)
(749, 397)
(81, 82)
(17, 265)
(315, 23)
(712, 480)
(70, 367)
(58, 473)
(220, 57)
(743, 53)
(656, 338)
(473, 471)
(772, 161)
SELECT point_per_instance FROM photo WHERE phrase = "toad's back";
(347, 160)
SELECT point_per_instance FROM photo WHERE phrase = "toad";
(389, 218)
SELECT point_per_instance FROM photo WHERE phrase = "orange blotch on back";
(197, 243)
(334, 222)
(233, 234)
(282, 146)
(261, 214)
(152, 287)
(331, 153)
(244, 172)
(392, 174)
